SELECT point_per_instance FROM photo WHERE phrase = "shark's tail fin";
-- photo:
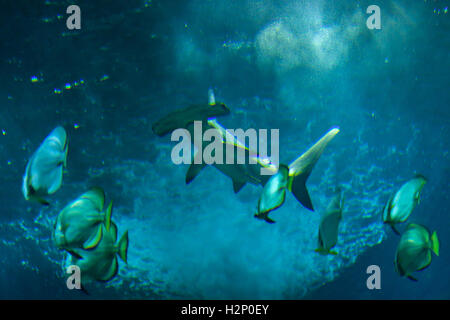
(300, 169)
(297, 185)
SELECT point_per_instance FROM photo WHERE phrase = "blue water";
(300, 66)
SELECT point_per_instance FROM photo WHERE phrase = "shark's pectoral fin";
(298, 189)
(193, 171)
(237, 186)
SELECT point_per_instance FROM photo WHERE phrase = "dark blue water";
(300, 66)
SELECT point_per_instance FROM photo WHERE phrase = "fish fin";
(123, 247)
(83, 289)
(56, 176)
(427, 265)
(420, 176)
(325, 251)
(412, 278)
(298, 189)
(94, 239)
(306, 162)
(302, 167)
(66, 150)
(396, 266)
(97, 196)
(74, 254)
(113, 231)
(41, 201)
(237, 186)
(322, 251)
(265, 217)
(435, 243)
(193, 171)
(387, 208)
(108, 215)
(112, 271)
(395, 229)
(211, 97)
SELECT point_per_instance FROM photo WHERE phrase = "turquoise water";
(299, 66)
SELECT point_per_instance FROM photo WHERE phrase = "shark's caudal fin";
(300, 169)
(298, 189)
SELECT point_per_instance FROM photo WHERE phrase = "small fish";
(329, 225)
(100, 263)
(414, 250)
(273, 194)
(403, 202)
(79, 224)
(183, 118)
(44, 171)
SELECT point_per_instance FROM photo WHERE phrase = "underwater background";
(300, 66)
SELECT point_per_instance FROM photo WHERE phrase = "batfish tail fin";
(123, 247)
(435, 243)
